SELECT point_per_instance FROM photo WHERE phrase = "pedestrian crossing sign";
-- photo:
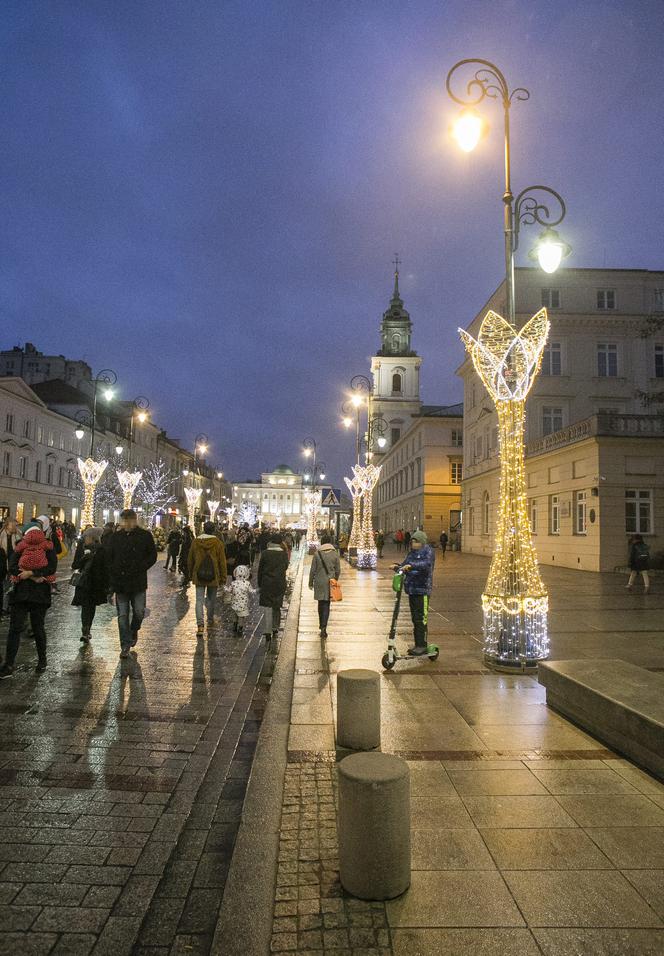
(331, 498)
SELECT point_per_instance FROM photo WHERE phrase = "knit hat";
(419, 536)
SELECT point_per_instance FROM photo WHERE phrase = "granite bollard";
(358, 709)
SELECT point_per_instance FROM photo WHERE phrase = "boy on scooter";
(417, 569)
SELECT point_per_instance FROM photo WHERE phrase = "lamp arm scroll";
(530, 209)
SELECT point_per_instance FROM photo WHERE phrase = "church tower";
(395, 370)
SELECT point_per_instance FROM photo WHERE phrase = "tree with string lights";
(154, 489)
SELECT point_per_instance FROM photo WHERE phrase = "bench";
(619, 703)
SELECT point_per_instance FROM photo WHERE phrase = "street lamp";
(108, 378)
(119, 449)
(515, 601)
(201, 445)
(309, 450)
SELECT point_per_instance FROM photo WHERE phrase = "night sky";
(207, 196)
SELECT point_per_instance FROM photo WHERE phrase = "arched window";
(396, 383)
(485, 513)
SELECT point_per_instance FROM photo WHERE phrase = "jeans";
(129, 631)
(323, 614)
(87, 616)
(208, 598)
(19, 616)
(419, 615)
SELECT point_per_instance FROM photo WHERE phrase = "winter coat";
(443, 540)
(639, 556)
(380, 540)
(130, 554)
(7, 544)
(241, 591)
(419, 580)
(272, 576)
(28, 591)
(183, 560)
(173, 543)
(325, 565)
(92, 562)
(202, 545)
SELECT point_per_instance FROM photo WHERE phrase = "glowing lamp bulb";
(347, 422)
(142, 417)
(185, 472)
(382, 442)
(322, 476)
(118, 449)
(357, 400)
(220, 474)
(307, 452)
(108, 394)
(79, 433)
(307, 476)
(467, 130)
(202, 449)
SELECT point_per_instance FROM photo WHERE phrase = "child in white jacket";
(241, 591)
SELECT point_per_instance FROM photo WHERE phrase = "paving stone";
(26, 944)
(71, 919)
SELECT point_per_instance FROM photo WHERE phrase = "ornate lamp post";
(106, 378)
(515, 602)
(201, 445)
(311, 495)
(91, 471)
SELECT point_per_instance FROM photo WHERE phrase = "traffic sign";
(331, 498)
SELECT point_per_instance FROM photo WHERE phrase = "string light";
(367, 553)
(128, 482)
(356, 489)
(213, 507)
(515, 602)
(312, 505)
(91, 471)
(192, 495)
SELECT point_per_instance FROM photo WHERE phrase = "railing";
(644, 426)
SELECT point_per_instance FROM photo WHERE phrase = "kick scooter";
(391, 656)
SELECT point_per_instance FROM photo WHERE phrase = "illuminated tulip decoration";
(128, 482)
(367, 553)
(91, 471)
(193, 496)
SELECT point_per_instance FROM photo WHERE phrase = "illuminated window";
(638, 511)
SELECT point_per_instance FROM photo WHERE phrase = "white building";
(278, 496)
(595, 453)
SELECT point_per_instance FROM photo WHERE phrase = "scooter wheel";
(387, 663)
(434, 657)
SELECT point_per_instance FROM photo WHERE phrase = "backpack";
(641, 551)
(206, 572)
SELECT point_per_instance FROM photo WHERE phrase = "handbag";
(336, 593)
(75, 579)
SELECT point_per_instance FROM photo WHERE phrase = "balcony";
(629, 426)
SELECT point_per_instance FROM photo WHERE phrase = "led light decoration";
(515, 602)
(193, 496)
(312, 506)
(213, 508)
(248, 513)
(91, 471)
(128, 481)
(230, 515)
(356, 488)
(367, 553)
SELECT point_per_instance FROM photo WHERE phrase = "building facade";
(278, 497)
(594, 451)
(421, 474)
(31, 365)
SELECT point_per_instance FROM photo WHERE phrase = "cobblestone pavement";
(528, 835)
(122, 782)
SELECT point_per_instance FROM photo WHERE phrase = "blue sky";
(207, 196)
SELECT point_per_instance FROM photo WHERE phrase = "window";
(659, 361)
(607, 360)
(606, 299)
(551, 298)
(478, 448)
(456, 473)
(26, 428)
(50, 438)
(9, 422)
(457, 438)
(395, 435)
(38, 465)
(396, 342)
(533, 515)
(554, 514)
(61, 442)
(552, 419)
(22, 466)
(61, 476)
(658, 303)
(485, 513)
(40, 434)
(396, 383)
(551, 359)
(638, 511)
(49, 474)
(580, 513)
(6, 463)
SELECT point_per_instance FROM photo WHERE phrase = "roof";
(283, 470)
(57, 392)
(441, 411)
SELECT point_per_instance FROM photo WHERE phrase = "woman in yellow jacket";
(207, 570)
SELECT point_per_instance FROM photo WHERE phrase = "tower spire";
(397, 263)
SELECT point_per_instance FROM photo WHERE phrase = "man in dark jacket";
(271, 581)
(131, 552)
(31, 596)
(418, 581)
(173, 545)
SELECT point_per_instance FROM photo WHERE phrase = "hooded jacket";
(241, 591)
(202, 545)
(419, 580)
(272, 569)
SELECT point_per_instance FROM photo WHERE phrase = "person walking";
(398, 537)
(207, 571)
(271, 581)
(91, 589)
(406, 540)
(107, 533)
(418, 581)
(324, 566)
(173, 545)
(443, 542)
(639, 563)
(380, 543)
(131, 553)
(32, 569)
(10, 535)
(183, 560)
(241, 591)
(343, 543)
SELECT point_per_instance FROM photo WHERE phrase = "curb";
(244, 925)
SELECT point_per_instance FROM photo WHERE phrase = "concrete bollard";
(358, 709)
(374, 825)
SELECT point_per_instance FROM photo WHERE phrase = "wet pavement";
(122, 782)
(528, 835)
